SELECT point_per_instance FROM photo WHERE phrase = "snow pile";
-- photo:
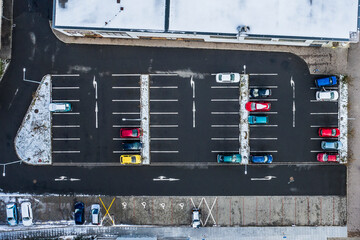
(33, 139)
(145, 118)
(244, 125)
(343, 119)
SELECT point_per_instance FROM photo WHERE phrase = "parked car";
(327, 145)
(228, 77)
(267, 158)
(79, 213)
(130, 159)
(328, 157)
(324, 82)
(130, 132)
(329, 132)
(95, 214)
(129, 146)
(229, 158)
(12, 216)
(26, 214)
(260, 92)
(196, 215)
(254, 119)
(258, 106)
(60, 107)
(327, 95)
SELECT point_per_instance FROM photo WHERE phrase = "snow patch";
(145, 118)
(78, 68)
(343, 119)
(184, 73)
(244, 124)
(33, 139)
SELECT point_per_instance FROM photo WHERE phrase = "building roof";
(301, 18)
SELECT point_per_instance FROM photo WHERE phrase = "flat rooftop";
(300, 18)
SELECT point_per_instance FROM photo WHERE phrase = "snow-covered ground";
(145, 118)
(244, 124)
(343, 119)
(33, 139)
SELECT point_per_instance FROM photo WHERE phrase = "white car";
(26, 214)
(327, 95)
(12, 214)
(95, 214)
(59, 107)
(196, 215)
(228, 77)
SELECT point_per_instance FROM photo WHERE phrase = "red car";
(130, 132)
(329, 132)
(328, 157)
(257, 106)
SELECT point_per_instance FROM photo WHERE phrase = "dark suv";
(79, 213)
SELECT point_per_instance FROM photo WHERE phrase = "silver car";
(327, 95)
(26, 214)
(95, 214)
(228, 77)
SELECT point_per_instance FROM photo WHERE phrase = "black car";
(260, 92)
(79, 213)
(131, 146)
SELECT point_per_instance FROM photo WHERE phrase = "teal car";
(229, 158)
(256, 119)
(60, 107)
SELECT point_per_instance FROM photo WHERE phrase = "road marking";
(125, 87)
(263, 74)
(224, 113)
(165, 87)
(125, 113)
(159, 126)
(164, 100)
(319, 126)
(96, 115)
(193, 111)
(235, 151)
(12, 100)
(66, 139)
(294, 110)
(119, 126)
(66, 126)
(192, 84)
(126, 75)
(164, 151)
(60, 88)
(264, 99)
(265, 151)
(263, 86)
(314, 100)
(263, 138)
(225, 126)
(126, 151)
(237, 87)
(264, 125)
(161, 139)
(225, 100)
(65, 75)
(65, 100)
(164, 113)
(164, 74)
(323, 113)
(126, 100)
(65, 113)
(65, 151)
(316, 151)
(292, 84)
(120, 139)
(324, 138)
(263, 112)
(332, 88)
(224, 139)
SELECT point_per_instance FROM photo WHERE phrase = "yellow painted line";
(107, 210)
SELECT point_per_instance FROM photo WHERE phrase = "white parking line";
(166, 139)
(264, 125)
(65, 113)
(60, 88)
(263, 86)
(126, 100)
(225, 126)
(263, 138)
(225, 87)
(128, 113)
(263, 99)
(316, 151)
(316, 88)
(126, 151)
(324, 113)
(164, 100)
(66, 126)
(263, 74)
(65, 100)
(224, 112)
(65, 151)
(120, 126)
(225, 139)
(265, 151)
(164, 151)
(235, 151)
(319, 126)
(120, 139)
(169, 126)
(264, 113)
(125, 75)
(225, 100)
(125, 87)
(164, 74)
(314, 100)
(166, 87)
(66, 139)
(65, 75)
(324, 138)
(164, 113)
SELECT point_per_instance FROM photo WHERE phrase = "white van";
(26, 214)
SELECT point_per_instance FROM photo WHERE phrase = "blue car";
(79, 213)
(327, 145)
(267, 158)
(130, 146)
(229, 158)
(325, 82)
(256, 119)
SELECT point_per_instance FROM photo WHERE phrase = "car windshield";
(325, 157)
(95, 211)
(25, 218)
(256, 92)
(133, 159)
(265, 158)
(332, 95)
(134, 132)
(10, 219)
(333, 132)
(253, 105)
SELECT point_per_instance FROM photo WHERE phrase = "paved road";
(35, 48)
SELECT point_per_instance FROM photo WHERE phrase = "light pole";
(27, 80)
(4, 165)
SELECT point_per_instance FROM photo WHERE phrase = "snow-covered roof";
(299, 18)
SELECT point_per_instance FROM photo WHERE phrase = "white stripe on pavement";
(224, 113)
(263, 113)
(235, 151)
(263, 99)
(65, 151)
(224, 86)
(164, 126)
(164, 113)
(264, 151)
(60, 88)
(128, 113)
(66, 139)
(65, 100)
(319, 126)
(65, 75)
(332, 88)
(126, 75)
(119, 126)
(166, 87)
(65, 113)
(126, 100)
(224, 139)
(225, 100)
(324, 138)
(263, 125)
(314, 100)
(164, 151)
(125, 87)
(66, 126)
(263, 74)
(167, 139)
(164, 100)
(263, 86)
(316, 151)
(263, 138)
(324, 113)
(126, 151)
(224, 125)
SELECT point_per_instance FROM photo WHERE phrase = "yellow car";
(130, 159)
